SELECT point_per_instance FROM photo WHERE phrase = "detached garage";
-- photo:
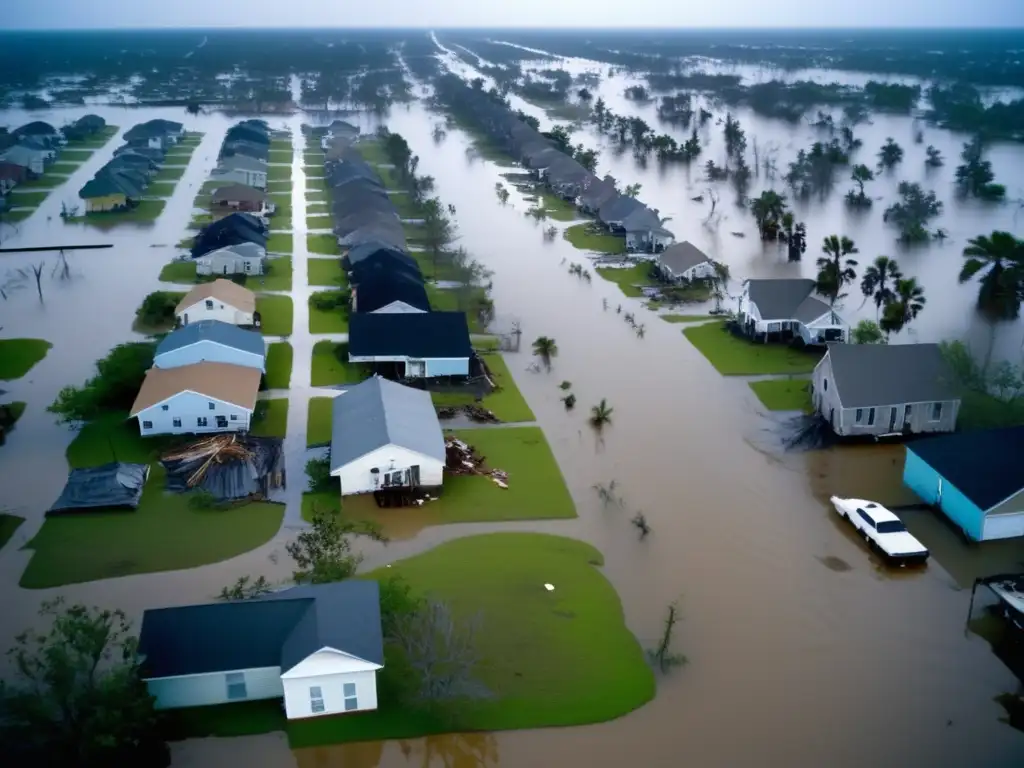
(975, 478)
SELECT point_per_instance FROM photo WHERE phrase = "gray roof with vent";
(225, 334)
(868, 375)
(683, 256)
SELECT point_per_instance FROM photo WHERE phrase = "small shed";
(110, 486)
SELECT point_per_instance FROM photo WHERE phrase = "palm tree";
(601, 414)
(907, 302)
(545, 348)
(834, 269)
(768, 209)
(1000, 256)
(875, 284)
(861, 174)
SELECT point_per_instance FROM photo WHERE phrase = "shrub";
(114, 387)
(319, 472)
(328, 301)
(157, 308)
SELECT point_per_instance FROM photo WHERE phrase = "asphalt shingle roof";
(418, 335)
(779, 299)
(984, 465)
(213, 330)
(868, 375)
(378, 412)
(683, 256)
(377, 287)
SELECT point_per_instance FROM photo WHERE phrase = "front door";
(415, 368)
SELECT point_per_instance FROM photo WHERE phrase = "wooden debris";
(219, 449)
(462, 459)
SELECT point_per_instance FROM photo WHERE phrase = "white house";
(211, 341)
(318, 647)
(242, 169)
(196, 399)
(685, 261)
(220, 300)
(385, 436)
(781, 309)
(240, 259)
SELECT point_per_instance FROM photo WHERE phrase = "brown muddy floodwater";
(803, 651)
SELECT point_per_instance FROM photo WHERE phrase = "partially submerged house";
(976, 478)
(111, 189)
(241, 169)
(39, 130)
(317, 646)
(386, 436)
(412, 344)
(240, 259)
(221, 300)
(211, 341)
(156, 134)
(233, 229)
(685, 261)
(239, 197)
(196, 399)
(245, 147)
(885, 389)
(784, 308)
(32, 160)
(645, 233)
(595, 193)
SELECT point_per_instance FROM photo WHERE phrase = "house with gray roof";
(386, 436)
(685, 261)
(34, 160)
(211, 341)
(885, 389)
(781, 309)
(316, 646)
(238, 259)
(644, 232)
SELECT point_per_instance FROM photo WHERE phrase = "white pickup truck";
(882, 531)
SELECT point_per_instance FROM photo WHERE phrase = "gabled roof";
(225, 334)
(232, 294)
(238, 193)
(868, 375)
(247, 133)
(35, 128)
(418, 335)
(984, 465)
(242, 147)
(242, 162)
(360, 219)
(235, 384)
(618, 208)
(779, 299)
(378, 412)
(376, 289)
(35, 142)
(597, 191)
(90, 122)
(643, 220)
(101, 185)
(377, 251)
(276, 630)
(683, 256)
(239, 250)
(376, 233)
(21, 155)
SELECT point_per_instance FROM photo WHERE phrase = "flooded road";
(802, 652)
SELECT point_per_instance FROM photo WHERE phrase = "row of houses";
(122, 182)
(28, 150)
(233, 245)
(241, 172)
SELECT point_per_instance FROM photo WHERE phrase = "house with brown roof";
(196, 399)
(239, 197)
(220, 300)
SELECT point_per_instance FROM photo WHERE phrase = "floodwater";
(802, 650)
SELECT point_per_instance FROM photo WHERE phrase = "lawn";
(280, 242)
(314, 158)
(278, 186)
(628, 278)
(326, 245)
(315, 185)
(169, 173)
(282, 204)
(145, 212)
(277, 278)
(735, 356)
(280, 156)
(271, 418)
(318, 423)
(12, 216)
(331, 366)
(49, 180)
(279, 365)
(75, 155)
(318, 221)
(448, 300)
(8, 525)
(536, 489)
(686, 318)
(19, 356)
(407, 207)
(556, 208)
(319, 196)
(983, 411)
(326, 272)
(68, 167)
(161, 188)
(372, 151)
(277, 145)
(784, 394)
(326, 321)
(276, 313)
(179, 271)
(165, 533)
(279, 172)
(26, 199)
(507, 402)
(581, 236)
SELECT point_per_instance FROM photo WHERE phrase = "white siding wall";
(202, 690)
(208, 352)
(397, 307)
(824, 398)
(356, 477)
(227, 263)
(220, 311)
(256, 179)
(297, 699)
(1008, 526)
(188, 406)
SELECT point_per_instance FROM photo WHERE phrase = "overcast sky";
(76, 14)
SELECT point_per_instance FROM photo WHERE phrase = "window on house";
(248, 267)
(316, 699)
(201, 421)
(164, 407)
(234, 417)
(212, 406)
(349, 692)
(871, 416)
(859, 416)
(824, 384)
(236, 686)
(209, 303)
(936, 411)
(176, 422)
(147, 425)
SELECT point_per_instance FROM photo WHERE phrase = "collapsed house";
(228, 467)
(110, 486)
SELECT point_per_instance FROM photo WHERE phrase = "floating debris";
(549, 587)
(462, 459)
(475, 412)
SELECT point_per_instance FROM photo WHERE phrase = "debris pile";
(228, 466)
(475, 412)
(462, 459)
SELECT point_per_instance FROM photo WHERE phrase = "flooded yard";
(802, 650)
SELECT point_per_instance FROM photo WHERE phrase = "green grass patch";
(169, 173)
(280, 242)
(686, 318)
(26, 199)
(784, 394)
(314, 158)
(179, 271)
(279, 365)
(13, 217)
(326, 321)
(319, 221)
(146, 212)
(161, 188)
(331, 366)
(19, 356)
(372, 151)
(270, 418)
(405, 205)
(67, 166)
(318, 424)
(979, 410)
(326, 272)
(735, 356)
(628, 278)
(276, 313)
(452, 300)
(8, 525)
(506, 402)
(51, 179)
(315, 185)
(324, 244)
(75, 155)
(280, 156)
(555, 207)
(165, 533)
(279, 173)
(278, 275)
(246, 718)
(276, 145)
(278, 186)
(316, 196)
(587, 237)
(486, 148)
